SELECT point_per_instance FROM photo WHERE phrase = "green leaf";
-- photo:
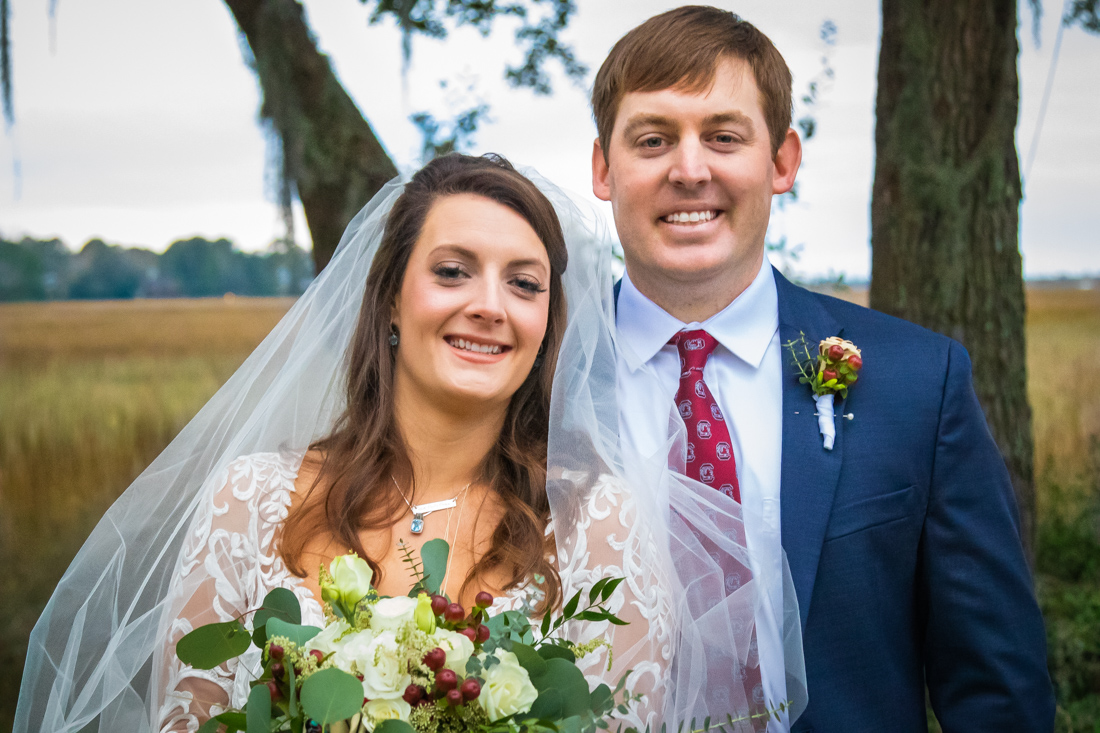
(563, 679)
(610, 588)
(208, 646)
(572, 724)
(545, 628)
(434, 556)
(530, 660)
(210, 726)
(548, 705)
(554, 651)
(233, 721)
(331, 695)
(279, 603)
(601, 700)
(571, 606)
(292, 704)
(594, 591)
(296, 633)
(394, 726)
(258, 712)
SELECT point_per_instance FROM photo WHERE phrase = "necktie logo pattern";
(709, 457)
(710, 461)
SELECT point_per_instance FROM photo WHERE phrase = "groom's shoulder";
(867, 327)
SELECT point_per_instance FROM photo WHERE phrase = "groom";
(903, 538)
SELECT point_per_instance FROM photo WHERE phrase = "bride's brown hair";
(365, 446)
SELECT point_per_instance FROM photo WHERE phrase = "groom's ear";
(786, 163)
(601, 174)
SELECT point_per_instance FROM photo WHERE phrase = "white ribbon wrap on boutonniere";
(825, 419)
(835, 368)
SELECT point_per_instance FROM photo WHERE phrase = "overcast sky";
(137, 122)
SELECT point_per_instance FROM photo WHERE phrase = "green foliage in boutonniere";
(835, 368)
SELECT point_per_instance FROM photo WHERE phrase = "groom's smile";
(690, 174)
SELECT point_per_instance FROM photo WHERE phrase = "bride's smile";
(472, 310)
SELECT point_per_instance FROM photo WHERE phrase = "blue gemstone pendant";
(417, 524)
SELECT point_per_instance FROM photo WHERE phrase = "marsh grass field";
(91, 392)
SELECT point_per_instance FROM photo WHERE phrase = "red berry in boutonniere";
(855, 362)
(836, 352)
(828, 375)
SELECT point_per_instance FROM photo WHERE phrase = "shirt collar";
(744, 327)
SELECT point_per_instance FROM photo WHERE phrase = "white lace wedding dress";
(230, 563)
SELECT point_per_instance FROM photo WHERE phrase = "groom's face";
(690, 176)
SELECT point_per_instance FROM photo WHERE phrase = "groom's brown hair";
(681, 49)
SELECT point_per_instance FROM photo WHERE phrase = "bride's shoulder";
(256, 479)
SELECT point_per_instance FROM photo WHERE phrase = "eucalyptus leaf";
(210, 726)
(530, 660)
(258, 712)
(394, 726)
(601, 699)
(213, 644)
(233, 721)
(331, 695)
(564, 678)
(434, 556)
(547, 706)
(296, 633)
(553, 651)
(279, 603)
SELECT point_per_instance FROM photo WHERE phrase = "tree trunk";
(945, 201)
(330, 152)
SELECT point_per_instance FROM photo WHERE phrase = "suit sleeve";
(985, 646)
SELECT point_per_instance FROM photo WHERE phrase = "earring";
(395, 338)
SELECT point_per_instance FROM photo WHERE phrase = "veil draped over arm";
(99, 656)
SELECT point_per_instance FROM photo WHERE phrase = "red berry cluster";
(446, 684)
(834, 359)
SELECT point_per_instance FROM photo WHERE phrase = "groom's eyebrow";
(731, 118)
(659, 122)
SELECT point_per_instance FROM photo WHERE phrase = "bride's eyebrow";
(455, 249)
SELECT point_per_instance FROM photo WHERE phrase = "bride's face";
(473, 304)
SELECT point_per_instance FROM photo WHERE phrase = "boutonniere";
(832, 372)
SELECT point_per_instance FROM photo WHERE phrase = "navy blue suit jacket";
(903, 540)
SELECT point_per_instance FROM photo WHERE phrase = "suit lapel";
(809, 473)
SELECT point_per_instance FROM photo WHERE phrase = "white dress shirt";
(744, 373)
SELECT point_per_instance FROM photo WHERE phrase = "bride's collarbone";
(469, 538)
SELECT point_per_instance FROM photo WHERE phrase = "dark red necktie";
(710, 461)
(709, 449)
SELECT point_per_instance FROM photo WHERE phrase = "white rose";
(354, 649)
(459, 649)
(389, 614)
(384, 668)
(329, 640)
(507, 689)
(375, 711)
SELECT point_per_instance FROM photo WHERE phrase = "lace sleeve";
(227, 566)
(613, 540)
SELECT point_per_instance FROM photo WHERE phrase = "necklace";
(419, 511)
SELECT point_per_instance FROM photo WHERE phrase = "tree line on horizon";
(46, 269)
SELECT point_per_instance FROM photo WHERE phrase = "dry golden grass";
(91, 392)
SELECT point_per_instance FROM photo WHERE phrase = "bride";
(423, 413)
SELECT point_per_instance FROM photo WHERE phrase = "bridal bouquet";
(414, 664)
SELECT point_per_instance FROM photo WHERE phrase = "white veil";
(93, 653)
